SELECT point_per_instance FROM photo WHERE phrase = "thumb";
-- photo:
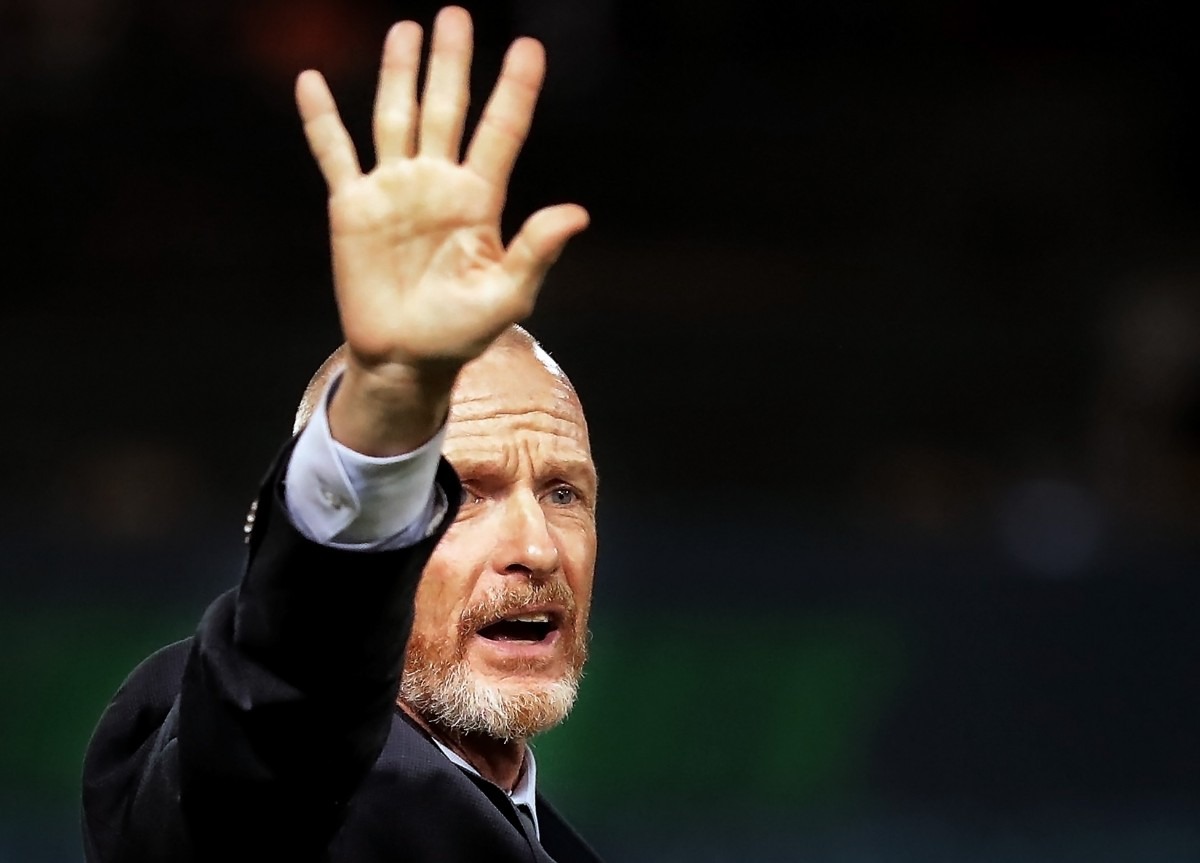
(538, 244)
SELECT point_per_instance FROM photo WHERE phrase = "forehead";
(507, 394)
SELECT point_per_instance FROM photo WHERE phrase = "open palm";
(421, 273)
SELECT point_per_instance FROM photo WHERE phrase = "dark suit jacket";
(272, 734)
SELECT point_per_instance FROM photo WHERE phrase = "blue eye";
(563, 495)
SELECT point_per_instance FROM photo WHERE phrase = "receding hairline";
(515, 339)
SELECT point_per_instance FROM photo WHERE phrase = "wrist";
(391, 408)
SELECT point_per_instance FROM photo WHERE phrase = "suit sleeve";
(250, 743)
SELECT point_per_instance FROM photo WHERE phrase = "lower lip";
(520, 649)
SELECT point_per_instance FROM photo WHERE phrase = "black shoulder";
(141, 703)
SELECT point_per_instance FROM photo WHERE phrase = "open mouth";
(528, 627)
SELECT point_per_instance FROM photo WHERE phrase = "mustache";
(498, 604)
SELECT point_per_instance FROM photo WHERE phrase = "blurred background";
(888, 327)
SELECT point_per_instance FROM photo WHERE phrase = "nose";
(524, 544)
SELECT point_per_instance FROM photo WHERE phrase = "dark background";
(888, 328)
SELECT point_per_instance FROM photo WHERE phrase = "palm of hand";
(422, 276)
(418, 262)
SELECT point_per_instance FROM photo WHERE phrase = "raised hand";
(423, 280)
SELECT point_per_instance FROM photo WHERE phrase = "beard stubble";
(440, 684)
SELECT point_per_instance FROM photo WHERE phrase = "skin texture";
(424, 285)
(526, 535)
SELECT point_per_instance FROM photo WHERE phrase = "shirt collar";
(524, 793)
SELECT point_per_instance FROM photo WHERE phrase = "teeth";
(539, 617)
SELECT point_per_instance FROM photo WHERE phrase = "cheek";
(435, 608)
(446, 584)
(577, 555)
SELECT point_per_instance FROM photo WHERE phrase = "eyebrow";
(576, 469)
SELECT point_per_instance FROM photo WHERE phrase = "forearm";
(390, 408)
(288, 694)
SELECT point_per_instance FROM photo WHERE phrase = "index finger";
(508, 114)
(327, 138)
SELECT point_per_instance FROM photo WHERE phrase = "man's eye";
(563, 495)
(468, 496)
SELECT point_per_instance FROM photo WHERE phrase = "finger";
(447, 85)
(538, 244)
(396, 98)
(504, 124)
(327, 137)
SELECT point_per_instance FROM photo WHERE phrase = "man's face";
(500, 623)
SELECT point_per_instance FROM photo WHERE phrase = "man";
(296, 725)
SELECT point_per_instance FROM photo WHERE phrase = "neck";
(498, 761)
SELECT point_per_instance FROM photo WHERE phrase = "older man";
(339, 704)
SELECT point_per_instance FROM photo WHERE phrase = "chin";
(502, 695)
(507, 708)
(502, 690)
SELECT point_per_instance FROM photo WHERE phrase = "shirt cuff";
(340, 498)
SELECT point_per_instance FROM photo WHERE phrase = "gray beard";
(451, 697)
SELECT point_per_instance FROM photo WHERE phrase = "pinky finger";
(327, 137)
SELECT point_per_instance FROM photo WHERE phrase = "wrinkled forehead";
(514, 381)
(514, 388)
